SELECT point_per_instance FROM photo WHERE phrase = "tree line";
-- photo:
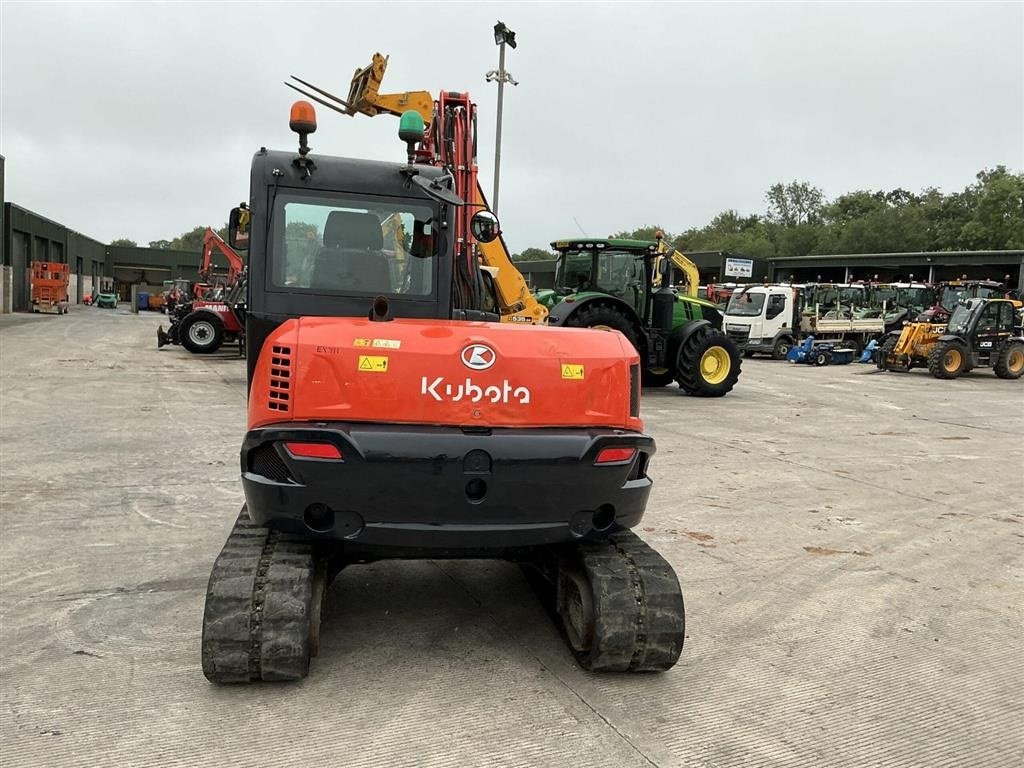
(187, 241)
(798, 221)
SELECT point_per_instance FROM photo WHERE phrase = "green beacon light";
(410, 130)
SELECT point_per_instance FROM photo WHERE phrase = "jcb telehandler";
(392, 416)
(981, 333)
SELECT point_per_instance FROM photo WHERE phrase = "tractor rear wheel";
(708, 364)
(201, 333)
(605, 317)
(948, 360)
(1010, 364)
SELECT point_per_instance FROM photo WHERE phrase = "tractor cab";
(901, 302)
(949, 294)
(620, 268)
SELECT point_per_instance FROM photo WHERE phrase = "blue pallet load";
(143, 299)
(826, 353)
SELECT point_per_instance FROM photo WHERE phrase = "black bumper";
(421, 488)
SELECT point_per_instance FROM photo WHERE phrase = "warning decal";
(373, 364)
(387, 343)
(572, 371)
(361, 343)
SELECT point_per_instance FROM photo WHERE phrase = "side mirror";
(484, 226)
(238, 228)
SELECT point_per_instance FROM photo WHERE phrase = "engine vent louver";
(279, 396)
(634, 390)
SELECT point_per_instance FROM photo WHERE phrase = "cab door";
(995, 325)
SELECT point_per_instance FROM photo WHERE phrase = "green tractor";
(622, 285)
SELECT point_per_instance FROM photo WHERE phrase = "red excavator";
(392, 415)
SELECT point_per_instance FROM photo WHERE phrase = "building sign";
(739, 267)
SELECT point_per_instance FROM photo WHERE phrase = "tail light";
(314, 451)
(615, 455)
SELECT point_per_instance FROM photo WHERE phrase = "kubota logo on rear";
(474, 393)
(479, 357)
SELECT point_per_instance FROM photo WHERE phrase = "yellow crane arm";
(364, 94)
(516, 303)
(682, 263)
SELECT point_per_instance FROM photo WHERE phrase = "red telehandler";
(214, 316)
(392, 415)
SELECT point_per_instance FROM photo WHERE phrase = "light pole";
(502, 36)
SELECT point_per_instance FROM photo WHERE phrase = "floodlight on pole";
(502, 36)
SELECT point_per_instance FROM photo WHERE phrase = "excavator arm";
(682, 263)
(515, 302)
(211, 242)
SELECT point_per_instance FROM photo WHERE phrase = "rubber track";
(256, 625)
(640, 621)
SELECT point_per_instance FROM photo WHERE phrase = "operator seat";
(351, 258)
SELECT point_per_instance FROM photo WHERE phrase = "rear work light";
(615, 455)
(314, 451)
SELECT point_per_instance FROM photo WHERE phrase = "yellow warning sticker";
(373, 364)
(572, 371)
(361, 343)
(387, 343)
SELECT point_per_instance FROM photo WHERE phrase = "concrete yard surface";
(851, 546)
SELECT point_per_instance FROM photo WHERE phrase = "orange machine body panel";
(442, 372)
(49, 282)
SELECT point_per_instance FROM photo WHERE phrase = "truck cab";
(762, 318)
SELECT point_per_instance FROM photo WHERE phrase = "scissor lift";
(50, 287)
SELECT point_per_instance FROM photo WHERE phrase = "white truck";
(771, 319)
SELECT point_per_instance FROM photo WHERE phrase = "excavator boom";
(211, 242)
(447, 135)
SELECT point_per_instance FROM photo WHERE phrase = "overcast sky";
(140, 121)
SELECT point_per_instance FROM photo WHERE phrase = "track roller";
(263, 605)
(619, 605)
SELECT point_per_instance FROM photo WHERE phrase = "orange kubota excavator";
(392, 415)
